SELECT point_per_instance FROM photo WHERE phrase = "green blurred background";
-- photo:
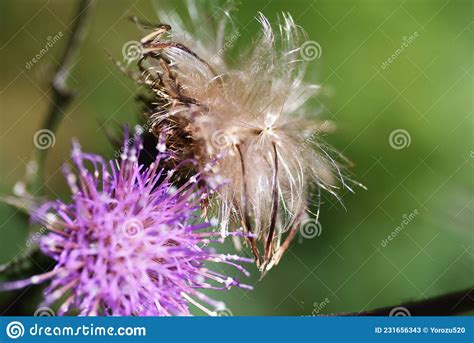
(427, 91)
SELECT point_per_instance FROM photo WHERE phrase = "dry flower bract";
(243, 122)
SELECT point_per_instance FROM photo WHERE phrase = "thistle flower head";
(244, 123)
(129, 243)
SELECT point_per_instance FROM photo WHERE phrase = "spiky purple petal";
(129, 243)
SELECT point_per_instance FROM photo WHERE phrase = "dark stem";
(61, 94)
(274, 204)
(443, 305)
(253, 242)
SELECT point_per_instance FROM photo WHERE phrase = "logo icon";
(44, 139)
(15, 330)
(399, 312)
(399, 139)
(311, 228)
(44, 312)
(310, 50)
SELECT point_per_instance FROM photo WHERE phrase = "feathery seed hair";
(245, 124)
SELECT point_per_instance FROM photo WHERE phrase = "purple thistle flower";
(130, 243)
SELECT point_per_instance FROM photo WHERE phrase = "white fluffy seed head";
(247, 119)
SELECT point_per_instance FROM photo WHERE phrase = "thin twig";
(61, 98)
(61, 94)
(443, 305)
